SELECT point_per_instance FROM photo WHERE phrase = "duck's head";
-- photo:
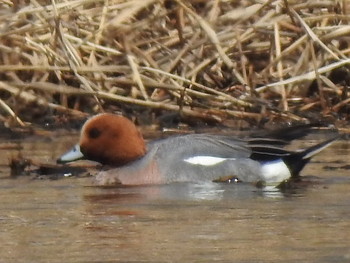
(108, 139)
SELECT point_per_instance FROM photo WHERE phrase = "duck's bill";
(73, 155)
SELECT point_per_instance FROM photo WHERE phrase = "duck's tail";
(297, 160)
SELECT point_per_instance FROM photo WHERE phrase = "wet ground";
(67, 220)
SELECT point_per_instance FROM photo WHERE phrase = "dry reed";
(207, 59)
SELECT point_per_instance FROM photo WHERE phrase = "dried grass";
(208, 59)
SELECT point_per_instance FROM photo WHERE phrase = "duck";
(115, 141)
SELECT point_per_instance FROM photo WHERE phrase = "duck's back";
(199, 157)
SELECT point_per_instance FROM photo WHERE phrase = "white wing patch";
(206, 160)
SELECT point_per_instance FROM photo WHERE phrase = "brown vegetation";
(206, 59)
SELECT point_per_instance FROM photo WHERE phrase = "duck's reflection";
(188, 192)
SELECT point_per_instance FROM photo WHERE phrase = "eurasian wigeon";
(115, 141)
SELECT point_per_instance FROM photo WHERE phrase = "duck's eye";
(94, 133)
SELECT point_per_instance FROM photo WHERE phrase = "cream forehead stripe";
(206, 160)
(89, 120)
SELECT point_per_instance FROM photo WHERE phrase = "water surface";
(67, 220)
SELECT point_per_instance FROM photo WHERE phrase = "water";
(67, 220)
